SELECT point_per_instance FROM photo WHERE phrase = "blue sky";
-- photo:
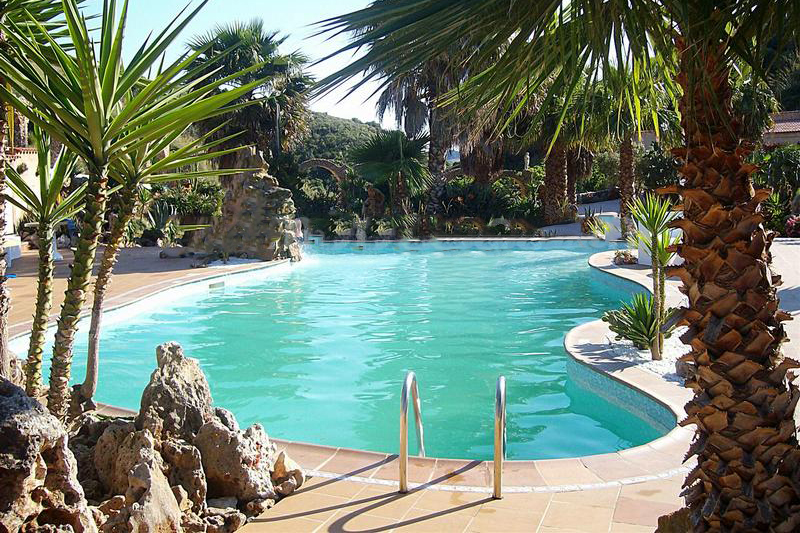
(287, 16)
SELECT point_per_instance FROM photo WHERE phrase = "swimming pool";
(317, 351)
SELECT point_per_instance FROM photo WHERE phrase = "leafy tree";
(657, 168)
(333, 137)
(746, 447)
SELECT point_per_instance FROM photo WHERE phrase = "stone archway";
(339, 172)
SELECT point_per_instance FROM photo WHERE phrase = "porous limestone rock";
(185, 469)
(237, 463)
(177, 400)
(227, 418)
(39, 488)
(287, 476)
(258, 216)
(85, 432)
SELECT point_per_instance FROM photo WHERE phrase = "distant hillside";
(332, 137)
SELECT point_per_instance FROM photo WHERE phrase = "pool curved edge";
(587, 344)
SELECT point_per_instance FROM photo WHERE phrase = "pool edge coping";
(603, 464)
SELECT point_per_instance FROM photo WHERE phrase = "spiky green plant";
(101, 110)
(47, 206)
(638, 321)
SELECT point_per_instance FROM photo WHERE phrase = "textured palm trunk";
(5, 298)
(747, 477)
(555, 185)
(657, 346)
(44, 303)
(75, 296)
(101, 285)
(440, 141)
(626, 178)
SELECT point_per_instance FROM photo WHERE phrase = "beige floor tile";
(355, 463)
(454, 472)
(434, 500)
(420, 469)
(331, 487)
(630, 528)
(355, 522)
(306, 505)
(578, 517)
(383, 504)
(532, 501)
(612, 466)
(595, 498)
(641, 512)
(308, 456)
(295, 525)
(421, 521)
(566, 472)
(520, 474)
(662, 490)
(490, 520)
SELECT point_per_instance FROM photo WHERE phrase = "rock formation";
(258, 216)
(39, 488)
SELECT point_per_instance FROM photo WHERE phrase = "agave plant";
(48, 207)
(638, 322)
(101, 110)
(147, 164)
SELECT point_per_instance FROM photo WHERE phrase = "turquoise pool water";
(317, 351)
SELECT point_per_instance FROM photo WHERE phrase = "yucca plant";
(21, 13)
(102, 110)
(48, 207)
(746, 448)
(654, 214)
(638, 322)
(150, 163)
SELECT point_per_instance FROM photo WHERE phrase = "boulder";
(677, 522)
(177, 401)
(227, 418)
(287, 476)
(237, 463)
(118, 450)
(39, 488)
(185, 469)
(150, 505)
(85, 432)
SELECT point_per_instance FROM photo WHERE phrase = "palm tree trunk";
(555, 185)
(101, 284)
(655, 349)
(44, 303)
(745, 442)
(75, 296)
(626, 177)
(5, 297)
(440, 141)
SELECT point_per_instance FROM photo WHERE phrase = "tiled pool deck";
(355, 491)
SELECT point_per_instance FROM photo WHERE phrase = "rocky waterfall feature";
(181, 464)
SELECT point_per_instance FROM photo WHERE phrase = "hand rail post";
(409, 389)
(499, 436)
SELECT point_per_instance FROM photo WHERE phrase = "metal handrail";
(409, 388)
(499, 436)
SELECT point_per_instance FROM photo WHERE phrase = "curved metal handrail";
(499, 436)
(409, 388)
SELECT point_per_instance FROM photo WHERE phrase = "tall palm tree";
(745, 443)
(278, 116)
(146, 165)
(391, 157)
(101, 110)
(21, 13)
(47, 207)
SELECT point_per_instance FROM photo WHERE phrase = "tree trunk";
(5, 297)
(101, 284)
(44, 303)
(555, 185)
(440, 142)
(75, 296)
(655, 349)
(745, 443)
(626, 177)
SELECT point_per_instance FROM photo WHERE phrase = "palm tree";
(277, 118)
(48, 208)
(101, 110)
(146, 165)
(23, 14)
(745, 442)
(391, 157)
